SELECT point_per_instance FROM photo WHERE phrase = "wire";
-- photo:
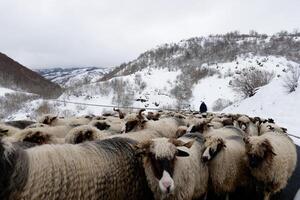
(110, 106)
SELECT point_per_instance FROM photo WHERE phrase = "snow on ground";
(273, 101)
(4, 91)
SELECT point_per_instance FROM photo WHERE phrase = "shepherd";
(203, 107)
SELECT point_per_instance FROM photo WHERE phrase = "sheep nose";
(167, 185)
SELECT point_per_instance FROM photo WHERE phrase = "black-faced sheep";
(105, 169)
(84, 133)
(174, 169)
(225, 155)
(272, 159)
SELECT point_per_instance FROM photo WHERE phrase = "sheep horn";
(140, 113)
(121, 115)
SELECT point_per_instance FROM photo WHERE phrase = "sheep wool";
(105, 169)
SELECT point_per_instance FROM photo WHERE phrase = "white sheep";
(6, 130)
(105, 169)
(167, 127)
(272, 159)
(54, 120)
(174, 169)
(83, 133)
(225, 155)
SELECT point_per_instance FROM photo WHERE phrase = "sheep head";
(48, 119)
(213, 145)
(134, 122)
(160, 157)
(258, 151)
(36, 137)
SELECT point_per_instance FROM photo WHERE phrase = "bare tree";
(123, 93)
(182, 92)
(291, 80)
(250, 80)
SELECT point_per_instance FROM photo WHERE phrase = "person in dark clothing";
(203, 108)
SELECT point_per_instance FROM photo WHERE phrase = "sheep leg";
(267, 195)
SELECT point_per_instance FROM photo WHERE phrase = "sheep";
(270, 127)
(54, 120)
(37, 125)
(272, 159)
(7, 130)
(83, 133)
(21, 124)
(224, 154)
(167, 127)
(174, 169)
(106, 169)
(247, 125)
(114, 127)
(153, 116)
(36, 135)
(139, 136)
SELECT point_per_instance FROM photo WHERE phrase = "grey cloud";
(51, 33)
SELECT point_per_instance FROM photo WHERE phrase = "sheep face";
(161, 155)
(258, 151)
(101, 125)
(37, 137)
(212, 147)
(134, 122)
(48, 119)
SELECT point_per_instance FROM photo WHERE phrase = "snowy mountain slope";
(67, 77)
(159, 82)
(273, 101)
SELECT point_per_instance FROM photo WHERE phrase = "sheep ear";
(53, 118)
(142, 147)
(221, 144)
(180, 132)
(179, 143)
(284, 129)
(201, 128)
(181, 153)
(269, 149)
(189, 144)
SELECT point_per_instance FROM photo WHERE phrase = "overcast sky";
(49, 33)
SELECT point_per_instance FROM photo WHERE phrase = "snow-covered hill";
(68, 77)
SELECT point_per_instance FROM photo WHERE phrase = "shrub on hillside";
(12, 102)
(220, 104)
(291, 80)
(249, 81)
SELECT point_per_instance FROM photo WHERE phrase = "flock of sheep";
(154, 155)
